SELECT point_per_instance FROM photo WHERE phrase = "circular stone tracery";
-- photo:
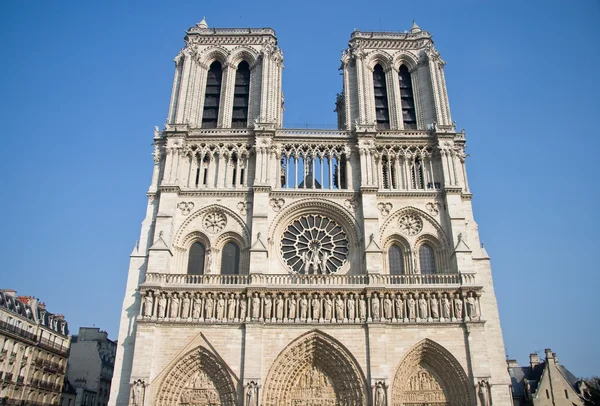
(214, 222)
(314, 244)
(410, 224)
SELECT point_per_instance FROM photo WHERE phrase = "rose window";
(410, 224)
(314, 244)
(214, 222)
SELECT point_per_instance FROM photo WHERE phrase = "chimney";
(512, 363)
(533, 359)
(42, 305)
(550, 356)
(9, 292)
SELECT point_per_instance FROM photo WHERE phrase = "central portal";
(313, 388)
(314, 370)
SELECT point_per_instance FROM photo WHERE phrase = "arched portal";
(199, 378)
(429, 375)
(315, 369)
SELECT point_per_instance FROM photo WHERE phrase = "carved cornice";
(169, 189)
(385, 194)
(316, 193)
(217, 193)
(451, 190)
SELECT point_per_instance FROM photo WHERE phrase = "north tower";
(283, 267)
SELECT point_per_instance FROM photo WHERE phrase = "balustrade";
(272, 305)
(314, 166)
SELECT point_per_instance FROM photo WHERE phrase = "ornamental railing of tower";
(313, 166)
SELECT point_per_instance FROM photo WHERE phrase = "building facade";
(285, 267)
(34, 350)
(90, 367)
(545, 383)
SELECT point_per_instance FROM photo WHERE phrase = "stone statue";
(484, 393)
(251, 394)
(423, 307)
(316, 308)
(411, 307)
(174, 306)
(148, 302)
(340, 308)
(162, 306)
(279, 307)
(458, 306)
(323, 264)
(185, 306)
(362, 308)
(375, 306)
(243, 307)
(220, 307)
(435, 308)
(231, 307)
(303, 303)
(399, 307)
(387, 307)
(328, 307)
(268, 306)
(197, 307)
(445, 306)
(255, 306)
(137, 393)
(351, 307)
(472, 306)
(208, 306)
(379, 394)
(292, 307)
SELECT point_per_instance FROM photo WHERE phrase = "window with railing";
(212, 96)
(196, 259)
(241, 94)
(382, 113)
(230, 259)
(427, 260)
(407, 99)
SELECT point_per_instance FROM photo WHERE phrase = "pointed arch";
(198, 375)
(430, 371)
(316, 354)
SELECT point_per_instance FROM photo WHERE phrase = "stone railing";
(162, 279)
(280, 304)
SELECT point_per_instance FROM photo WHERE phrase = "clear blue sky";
(84, 82)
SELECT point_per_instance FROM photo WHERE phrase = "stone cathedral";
(288, 267)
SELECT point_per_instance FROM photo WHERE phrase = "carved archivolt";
(315, 369)
(429, 374)
(199, 378)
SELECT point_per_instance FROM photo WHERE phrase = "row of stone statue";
(312, 307)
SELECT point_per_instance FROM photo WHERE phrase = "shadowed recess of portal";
(315, 366)
(199, 377)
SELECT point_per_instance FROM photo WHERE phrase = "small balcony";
(286, 280)
(4, 326)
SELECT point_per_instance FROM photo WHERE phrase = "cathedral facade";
(285, 267)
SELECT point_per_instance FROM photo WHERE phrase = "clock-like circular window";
(314, 244)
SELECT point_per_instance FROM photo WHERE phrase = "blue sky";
(83, 83)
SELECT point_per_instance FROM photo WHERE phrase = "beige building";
(281, 267)
(34, 350)
(545, 383)
(90, 368)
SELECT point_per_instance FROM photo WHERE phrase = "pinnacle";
(203, 23)
(415, 28)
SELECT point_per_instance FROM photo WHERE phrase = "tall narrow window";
(239, 118)
(416, 172)
(427, 259)
(382, 113)
(408, 101)
(230, 260)
(212, 96)
(196, 259)
(396, 261)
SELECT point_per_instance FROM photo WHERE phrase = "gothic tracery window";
(239, 118)
(196, 259)
(427, 259)
(396, 260)
(230, 259)
(212, 96)
(407, 99)
(382, 113)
